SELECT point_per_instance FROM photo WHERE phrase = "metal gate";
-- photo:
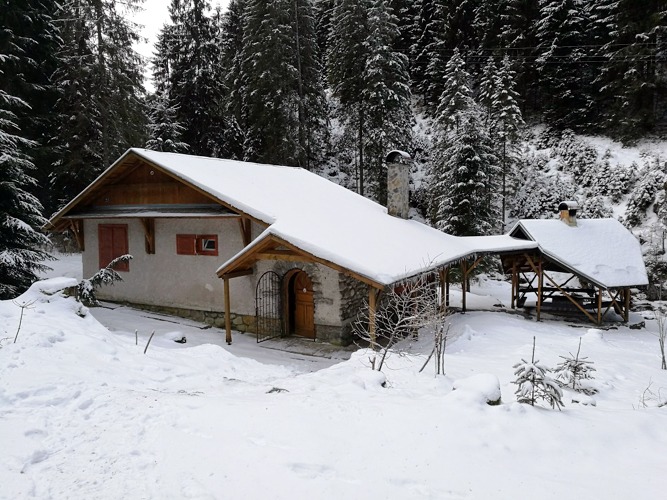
(268, 307)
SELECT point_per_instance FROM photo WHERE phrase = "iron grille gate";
(268, 307)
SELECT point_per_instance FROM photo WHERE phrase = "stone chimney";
(568, 212)
(398, 180)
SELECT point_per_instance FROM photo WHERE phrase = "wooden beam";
(567, 295)
(76, 226)
(599, 306)
(447, 286)
(238, 273)
(287, 255)
(245, 225)
(228, 314)
(443, 299)
(515, 283)
(464, 276)
(540, 282)
(626, 301)
(149, 234)
(372, 306)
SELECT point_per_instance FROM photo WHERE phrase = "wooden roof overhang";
(273, 247)
(82, 205)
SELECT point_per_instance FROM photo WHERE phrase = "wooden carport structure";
(587, 266)
(535, 273)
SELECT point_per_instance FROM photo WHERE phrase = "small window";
(207, 244)
(197, 244)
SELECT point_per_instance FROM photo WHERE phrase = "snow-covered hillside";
(86, 415)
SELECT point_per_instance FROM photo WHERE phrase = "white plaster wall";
(171, 280)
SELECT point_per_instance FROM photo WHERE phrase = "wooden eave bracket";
(76, 227)
(149, 234)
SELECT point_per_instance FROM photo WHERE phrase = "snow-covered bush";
(540, 195)
(534, 384)
(595, 207)
(105, 276)
(574, 371)
(652, 180)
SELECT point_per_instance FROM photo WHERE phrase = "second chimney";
(568, 212)
(398, 180)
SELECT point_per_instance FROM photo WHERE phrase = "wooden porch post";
(599, 305)
(464, 276)
(372, 306)
(447, 287)
(443, 298)
(626, 304)
(540, 281)
(514, 284)
(228, 314)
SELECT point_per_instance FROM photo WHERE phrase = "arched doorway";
(300, 305)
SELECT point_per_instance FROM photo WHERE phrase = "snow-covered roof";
(600, 250)
(325, 219)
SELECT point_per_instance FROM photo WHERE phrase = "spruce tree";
(564, 75)
(420, 53)
(285, 113)
(197, 85)
(21, 255)
(507, 122)
(100, 108)
(164, 130)
(346, 63)
(632, 80)
(465, 169)
(386, 94)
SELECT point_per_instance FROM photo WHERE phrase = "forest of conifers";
(315, 83)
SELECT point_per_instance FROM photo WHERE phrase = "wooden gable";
(143, 184)
(136, 182)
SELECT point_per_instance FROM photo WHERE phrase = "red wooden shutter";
(186, 244)
(105, 235)
(113, 243)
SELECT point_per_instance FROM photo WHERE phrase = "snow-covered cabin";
(296, 253)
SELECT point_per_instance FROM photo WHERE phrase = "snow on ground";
(85, 414)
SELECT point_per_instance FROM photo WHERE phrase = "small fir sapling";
(573, 370)
(534, 384)
(105, 276)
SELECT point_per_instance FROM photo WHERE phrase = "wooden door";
(304, 307)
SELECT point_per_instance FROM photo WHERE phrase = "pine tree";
(100, 83)
(464, 176)
(32, 23)
(518, 39)
(534, 384)
(574, 371)
(465, 169)
(564, 76)
(313, 107)
(488, 85)
(386, 94)
(507, 122)
(197, 86)
(21, 256)
(632, 80)
(231, 43)
(346, 63)
(420, 51)
(283, 92)
(457, 96)
(164, 130)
